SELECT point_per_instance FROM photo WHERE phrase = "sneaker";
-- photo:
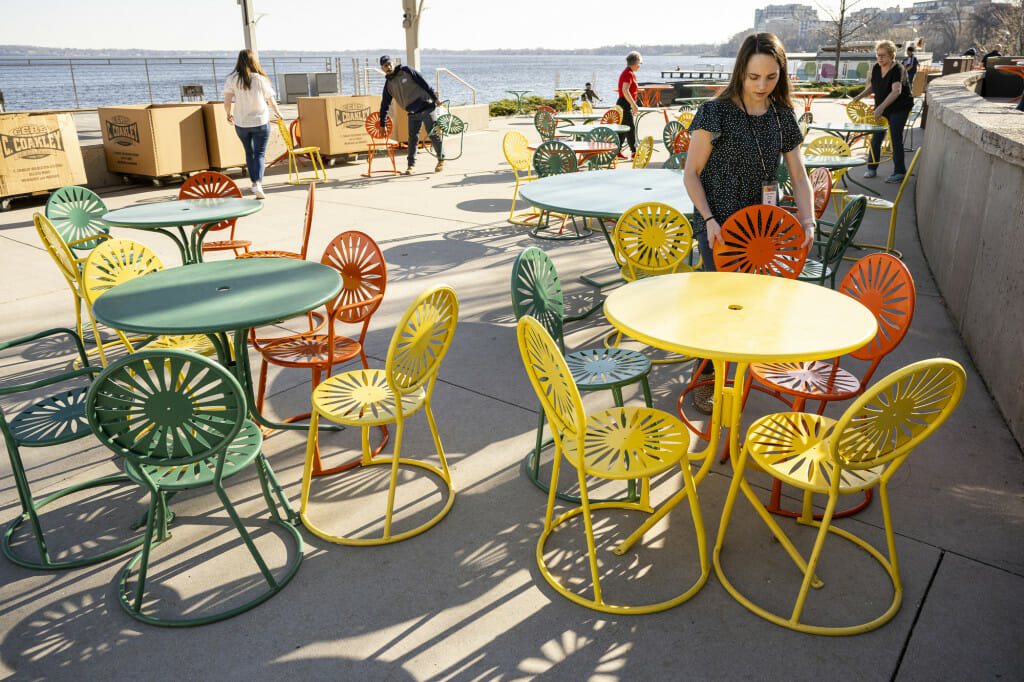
(870, 173)
(623, 157)
(895, 177)
(439, 167)
(257, 190)
(409, 170)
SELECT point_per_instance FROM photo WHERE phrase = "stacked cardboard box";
(38, 152)
(154, 139)
(336, 124)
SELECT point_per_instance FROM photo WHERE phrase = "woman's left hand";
(808, 235)
(877, 113)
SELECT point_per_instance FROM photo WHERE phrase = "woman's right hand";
(714, 233)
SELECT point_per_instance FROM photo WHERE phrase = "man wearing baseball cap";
(411, 92)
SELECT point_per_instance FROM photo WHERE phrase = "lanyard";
(750, 124)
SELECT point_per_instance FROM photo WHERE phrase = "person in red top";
(627, 92)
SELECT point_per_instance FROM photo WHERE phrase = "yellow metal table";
(738, 318)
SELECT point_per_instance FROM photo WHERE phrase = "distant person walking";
(627, 91)
(249, 92)
(589, 94)
(888, 82)
(910, 63)
(412, 92)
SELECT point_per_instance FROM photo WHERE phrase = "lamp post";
(249, 26)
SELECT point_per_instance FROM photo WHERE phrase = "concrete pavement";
(465, 600)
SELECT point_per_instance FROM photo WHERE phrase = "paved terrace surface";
(465, 600)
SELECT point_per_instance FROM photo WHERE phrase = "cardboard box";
(222, 144)
(336, 124)
(38, 152)
(154, 139)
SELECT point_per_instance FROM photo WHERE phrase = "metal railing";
(437, 82)
(153, 67)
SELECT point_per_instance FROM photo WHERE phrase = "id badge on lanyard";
(770, 193)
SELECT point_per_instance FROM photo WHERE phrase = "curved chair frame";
(618, 443)
(359, 261)
(75, 213)
(613, 115)
(202, 437)
(544, 122)
(449, 126)
(884, 285)
(211, 185)
(378, 142)
(764, 240)
(652, 239)
(515, 146)
(832, 250)
(860, 451)
(312, 153)
(880, 204)
(307, 229)
(367, 398)
(537, 292)
(830, 145)
(50, 421)
(686, 118)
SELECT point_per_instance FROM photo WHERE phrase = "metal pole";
(74, 88)
(249, 27)
(213, 65)
(148, 84)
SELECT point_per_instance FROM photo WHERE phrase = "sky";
(343, 25)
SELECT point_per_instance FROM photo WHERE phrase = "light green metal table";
(519, 99)
(171, 218)
(579, 131)
(606, 195)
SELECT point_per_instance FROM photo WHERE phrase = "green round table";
(848, 128)
(519, 99)
(220, 298)
(171, 217)
(833, 162)
(572, 119)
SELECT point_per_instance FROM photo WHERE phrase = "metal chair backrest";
(356, 256)
(551, 380)
(421, 340)
(842, 234)
(59, 251)
(212, 185)
(517, 153)
(114, 262)
(827, 145)
(602, 133)
(554, 158)
(537, 292)
(286, 135)
(858, 112)
(372, 127)
(166, 408)
(896, 414)
(544, 121)
(884, 285)
(668, 134)
(676, 161)
(75, 212)
(652, 239)
(821, 183)
(763, 240)
(642, 157)
(681, 142)
(613, 115)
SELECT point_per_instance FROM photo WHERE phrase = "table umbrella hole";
(223, 288)
(735, 307)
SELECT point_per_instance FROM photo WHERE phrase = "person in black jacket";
(407, 87)
(994, 53)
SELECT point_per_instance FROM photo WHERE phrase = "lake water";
(137, 81)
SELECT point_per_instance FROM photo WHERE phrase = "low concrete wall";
(970, 218)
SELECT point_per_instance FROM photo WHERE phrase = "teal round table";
(572, 119)
(848, 128)
(171, 217)
(219, 298)
(606, 195)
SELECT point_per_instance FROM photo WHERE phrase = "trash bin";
(324, 84)
(291, 86)
(957, 65)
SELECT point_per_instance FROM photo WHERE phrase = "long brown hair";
(246, 66)
(759, 43)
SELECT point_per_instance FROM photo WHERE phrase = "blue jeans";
(254, 140)
(896, 124)
(416, 121)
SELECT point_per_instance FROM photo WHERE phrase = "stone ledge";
(994, 126)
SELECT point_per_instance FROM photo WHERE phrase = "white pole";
(411, 11)
(249, 27)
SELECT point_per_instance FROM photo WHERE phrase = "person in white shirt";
(250, 93)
